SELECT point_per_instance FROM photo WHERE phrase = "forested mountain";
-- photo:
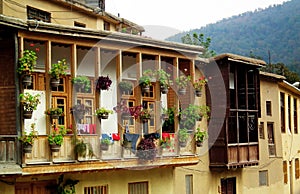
(274, 32)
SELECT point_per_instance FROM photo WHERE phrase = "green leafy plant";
(203, 111)
(28, 139)
(82, 82)
(105, 141)
(183, 135)
(29, 101)
(168, 124)
(125, 86)
(58, 69)
(67, 186)
(145, 114)
(145, 79)
(57, 136)
(182, 81)
(200, 135)
(54, 111)
(103, 111)
(27, 62)
(163, 77)
(81, 148)
(199, 83)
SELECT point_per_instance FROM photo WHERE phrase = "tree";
(199, 40)
(281, 69)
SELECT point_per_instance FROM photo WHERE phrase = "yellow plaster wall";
(59, 14)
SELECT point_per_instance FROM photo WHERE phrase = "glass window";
(269, 108)
(138, 188)
(189, 184)
(263, 178)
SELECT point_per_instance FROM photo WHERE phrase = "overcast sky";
(182, 15)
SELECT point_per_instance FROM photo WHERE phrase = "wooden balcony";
(42, 160)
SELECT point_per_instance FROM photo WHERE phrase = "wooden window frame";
(285, 172)
(297, 168)
(38, 14)
(142, 185)
(103, 189)
(262, 130)
(271, 139)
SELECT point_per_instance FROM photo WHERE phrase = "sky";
(175, 15)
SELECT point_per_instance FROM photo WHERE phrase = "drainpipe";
(17, 93)
(291, 177)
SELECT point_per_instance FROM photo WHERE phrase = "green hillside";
(274, 30)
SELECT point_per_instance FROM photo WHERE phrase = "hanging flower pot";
(27, 114)
(126, 116)
(54, 82)
(103, 83)
(54, 116)
(104, 147)
(164, 89)
(54, 147)
(182, 144)
(199, 143)
(27, 148)
(145, 88)
(198, 93)
(26, 80)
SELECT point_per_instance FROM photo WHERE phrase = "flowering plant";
(57, 136)
(103, 83)
(28, 139)
(79, 108)
(199, 83)
(29, 101)
(27, 62)
(58, 69)
(182, 81)
(54, 111)
(123, 108)
(145, 113)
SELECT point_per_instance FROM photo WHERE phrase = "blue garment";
(131, 137)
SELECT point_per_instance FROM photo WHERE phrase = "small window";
(269, 108)
(285, 174)
(297, 175)
(106, 26)
(138, 188)
(37, 14)
(78, 24)
(189, 184)
(103, 189)
(271, 141)
(261, 130)
(263, 178)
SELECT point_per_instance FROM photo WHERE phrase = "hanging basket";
(198, 93)
(182, 143)
(54, 148)
(54, 116)
(145, 88)
(27, 148)
(164, 89)
(26, 80)
(104, 147)
(199, 143)
(27, 114)
(54, 82)
(125, 116)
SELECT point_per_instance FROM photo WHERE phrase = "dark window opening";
(269, 108)
(78, 24)
(106, 26)
(282, 112)
(37, 14)
(271, 141)
(295, 116)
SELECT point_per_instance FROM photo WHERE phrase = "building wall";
(59, 14)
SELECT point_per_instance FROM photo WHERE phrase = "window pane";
(263, 178)
(138, 188)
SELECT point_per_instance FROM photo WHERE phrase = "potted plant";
(145, 80)
(26, 64)
(126, 87)
(123, 109)
(183, 136)
(164, 80)
(79, 111)
(190, 115)
(103, 83)
(57, 70)
(54, 113)
(182, 82)
(30, 103)
(82, 83)
(146, 149)
(102, 113)
(105, 142)
(145, 114)
(27, 140)
(198, 85)
(203, 111)
(200, 136)
(83, 149)
(56, 138)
